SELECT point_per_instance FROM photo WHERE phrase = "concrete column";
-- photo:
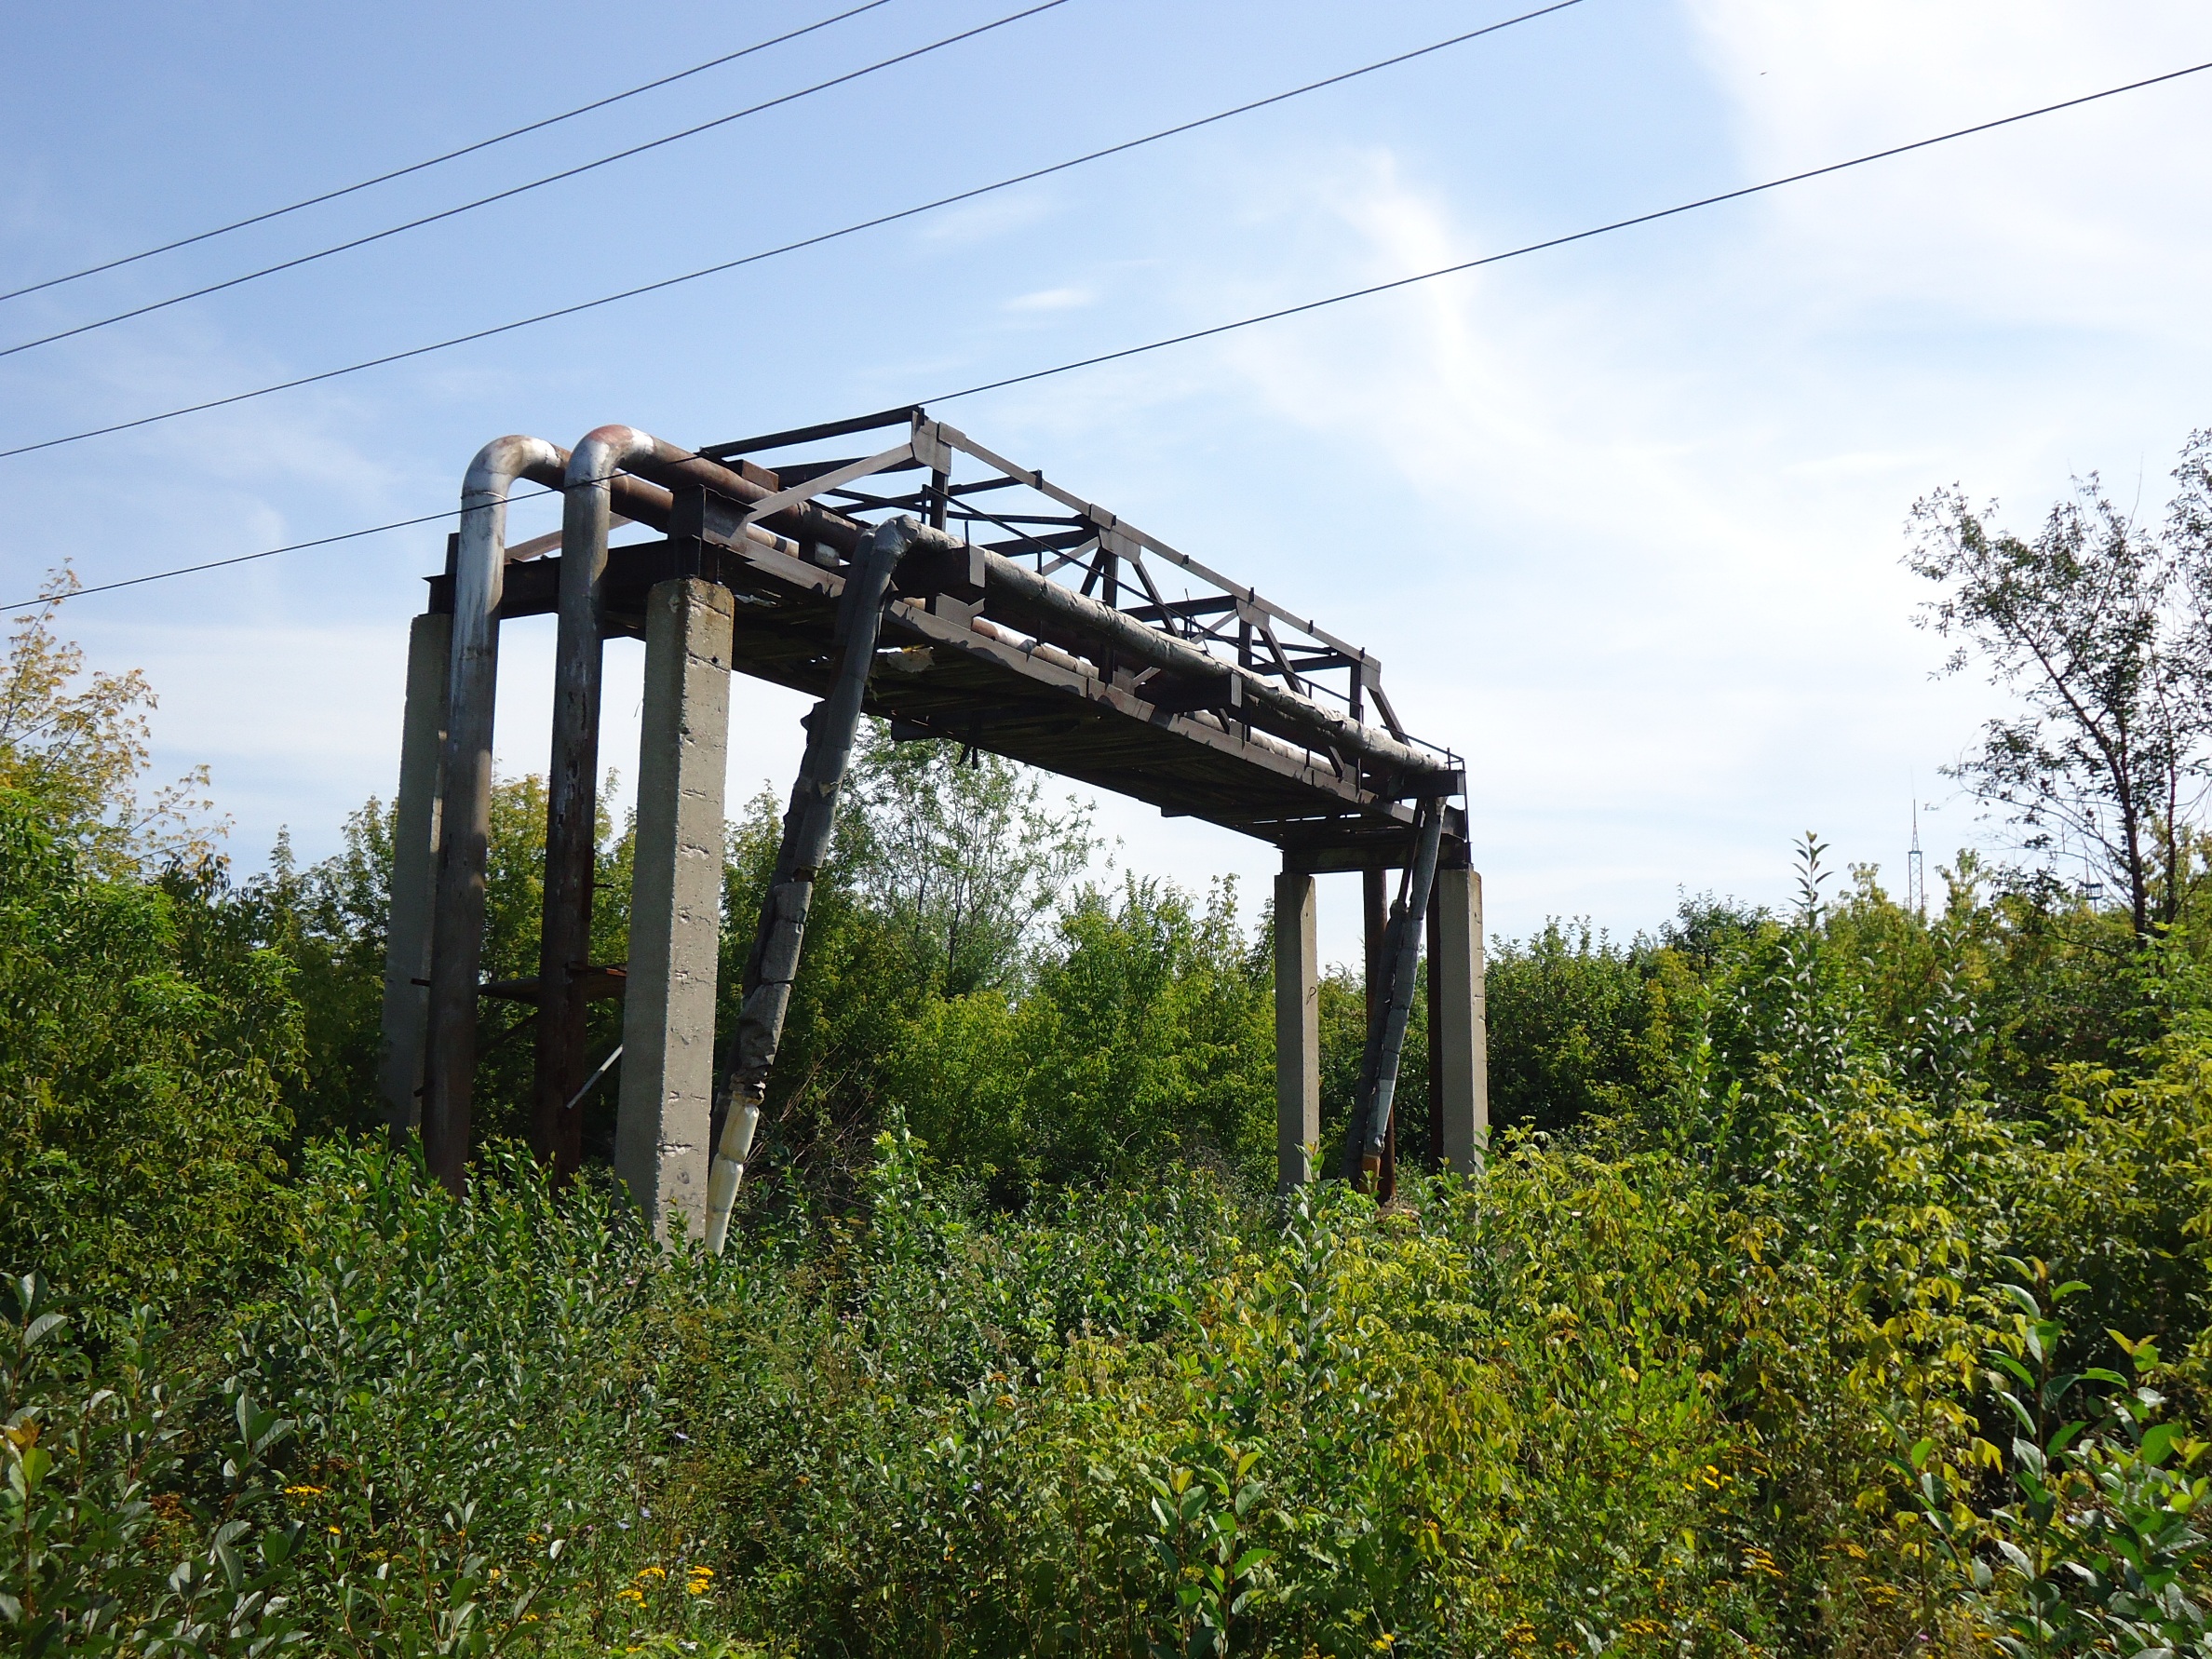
(415, 873)
(668, 1024)
(1460, 1031)
(1297, 1030)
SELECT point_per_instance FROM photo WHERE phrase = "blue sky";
(1624, 518)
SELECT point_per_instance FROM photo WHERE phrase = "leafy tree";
(2101, 627)
(77, 745)
(960, 855)
(1568, 1015)
(140, 1077)
(1147, 1038)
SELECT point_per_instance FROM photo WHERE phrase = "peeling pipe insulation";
(1028, 595)
(1046, 599)
(571, 793)
(457, 917)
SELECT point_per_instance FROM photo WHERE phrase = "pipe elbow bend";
(605, 451)
(504, 460)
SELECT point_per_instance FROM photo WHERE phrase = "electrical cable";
(1264, 317)
(805, 242)
(1581, 236)
(416, 167)
(216, 564)
(501, 195)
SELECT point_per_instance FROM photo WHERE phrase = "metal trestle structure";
(943, 588)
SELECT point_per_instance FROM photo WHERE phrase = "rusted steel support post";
(668, 1018)
(571, 792)
(457, 917)
(1370, 1118)
(1297, 1030)
(1458, 1031)
(1374, 909)
(415, 873)
(773, 964)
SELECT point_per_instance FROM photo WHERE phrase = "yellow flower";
(647, 1572)
(334, 1533)
(629, 1595)
(303, 1491)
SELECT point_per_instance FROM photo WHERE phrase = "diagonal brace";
(773, 964)
(1369, 1126)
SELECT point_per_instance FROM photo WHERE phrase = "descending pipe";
(1386, 1040)
(457, 919)
(457, 916)
(592, 487)
(572, 782)
(774, 961)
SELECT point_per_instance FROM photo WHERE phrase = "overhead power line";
(805, 242)
(1309, 305)
(1581, 236)
(416, 167)
(501, 195)
(217, 564)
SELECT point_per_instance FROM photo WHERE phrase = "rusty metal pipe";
(457, 935)
(1035, 597)
(572, 786)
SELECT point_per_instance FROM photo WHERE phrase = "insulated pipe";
(774, 961)
(457, 928)
(1386, 1043)
(572, 789)
(1033, 597)
(1043, 599)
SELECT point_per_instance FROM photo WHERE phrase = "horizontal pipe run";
(1042, 599)
(1033, 597)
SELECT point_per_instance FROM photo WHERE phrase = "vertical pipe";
(668, 1018)
(457, 916)
(571, 792)
(414, 873)
(1297, 1030)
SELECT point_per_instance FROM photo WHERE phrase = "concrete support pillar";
(415, 873)
(1297, 1030)
(667, 1026)
(1460, 1031)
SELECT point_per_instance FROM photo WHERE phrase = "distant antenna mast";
(1916, 879)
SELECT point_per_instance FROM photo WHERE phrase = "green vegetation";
(1837, 1286)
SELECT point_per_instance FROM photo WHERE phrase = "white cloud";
(1053, 299)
